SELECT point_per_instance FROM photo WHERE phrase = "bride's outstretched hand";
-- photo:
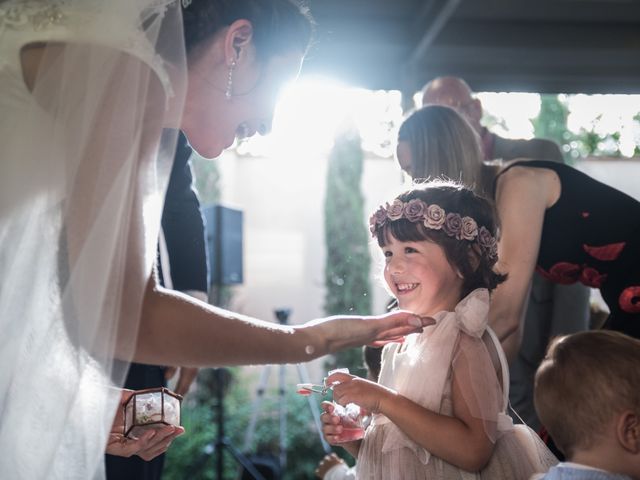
(352, 331)
(394, 326)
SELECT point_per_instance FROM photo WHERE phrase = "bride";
(92, 96)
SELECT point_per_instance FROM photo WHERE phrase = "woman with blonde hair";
(554, 219)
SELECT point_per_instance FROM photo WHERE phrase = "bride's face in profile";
(212, 121)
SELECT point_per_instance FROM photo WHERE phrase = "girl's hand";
(365, 393)
(331, 428)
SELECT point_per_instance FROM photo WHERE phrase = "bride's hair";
(279, 26)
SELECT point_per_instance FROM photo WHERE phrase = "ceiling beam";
(443, 12)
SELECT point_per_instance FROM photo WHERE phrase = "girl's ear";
(474, 256)
(628, 431)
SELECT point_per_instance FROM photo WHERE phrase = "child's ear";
(628, 431)
(474, 256)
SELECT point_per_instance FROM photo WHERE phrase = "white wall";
(623, 174)
(284, 252)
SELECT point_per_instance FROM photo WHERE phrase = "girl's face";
(420, 276)
(212, 122)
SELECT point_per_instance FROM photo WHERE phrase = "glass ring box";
(151, 408)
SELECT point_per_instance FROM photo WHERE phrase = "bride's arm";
(180, 330)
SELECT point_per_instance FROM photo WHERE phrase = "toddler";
(587, 394)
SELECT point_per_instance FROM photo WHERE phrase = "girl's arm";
(179, 330)
(522, 197)
(460, 439)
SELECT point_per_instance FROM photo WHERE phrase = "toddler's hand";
(327, 463)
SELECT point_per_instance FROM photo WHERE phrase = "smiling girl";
(439, 409)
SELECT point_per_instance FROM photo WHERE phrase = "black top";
(183, 226)
(592, 235)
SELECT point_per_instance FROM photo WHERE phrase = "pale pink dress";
(422, 369)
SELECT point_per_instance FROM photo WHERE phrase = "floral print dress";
(592, 235)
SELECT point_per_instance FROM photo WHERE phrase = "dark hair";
(372, 359)
(279, 26)
(476, 267)
(442, 143)
(584, 381)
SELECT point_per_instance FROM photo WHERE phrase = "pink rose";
(394, 211)
(469, 229)
(452, 225)
(377, 220)
(434, 217)
(414, 210)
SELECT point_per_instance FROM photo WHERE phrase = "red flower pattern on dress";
(591, 277)
(629, 300)
(606, 253)
(566, 273)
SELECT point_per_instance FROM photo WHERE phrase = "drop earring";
(227, 92)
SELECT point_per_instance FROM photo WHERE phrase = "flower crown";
(435, 218)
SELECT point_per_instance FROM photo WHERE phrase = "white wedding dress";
(79, 216)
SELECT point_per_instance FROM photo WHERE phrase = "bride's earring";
(228, 90)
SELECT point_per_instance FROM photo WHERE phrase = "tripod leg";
(255, 408)
(315, 411)
(283, 419)
(242, 460)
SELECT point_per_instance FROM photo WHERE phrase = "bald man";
(455, 93)
(552, 309)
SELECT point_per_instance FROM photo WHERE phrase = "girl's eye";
(387, 254)
(410, 250)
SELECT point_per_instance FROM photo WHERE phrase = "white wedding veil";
(86, 144)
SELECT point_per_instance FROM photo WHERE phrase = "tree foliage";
(193, 455)
(551, 123)
(348, 262)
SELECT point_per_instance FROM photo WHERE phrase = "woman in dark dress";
(554, 219)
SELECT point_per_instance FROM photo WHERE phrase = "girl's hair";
(443, 144)
(475, 263)
(279, 26)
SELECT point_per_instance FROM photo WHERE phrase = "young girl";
(439, 409)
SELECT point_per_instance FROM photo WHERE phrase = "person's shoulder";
(518, 170)
(533, 148)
